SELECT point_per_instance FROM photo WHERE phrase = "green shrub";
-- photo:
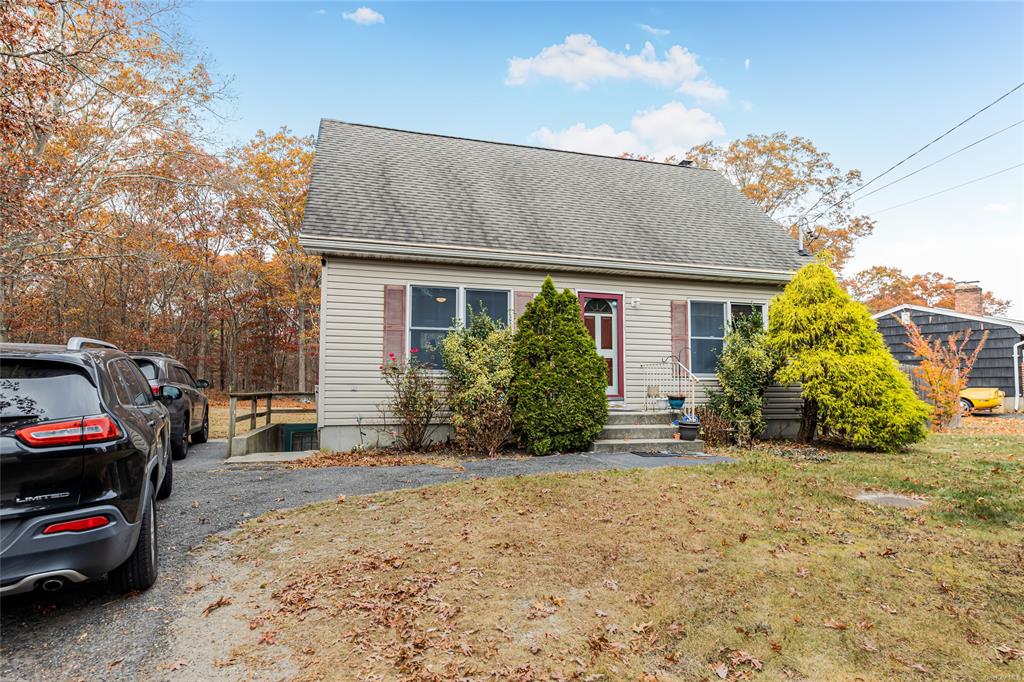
(559, 380)
(478, 358)
(852, 387)
(745, 368)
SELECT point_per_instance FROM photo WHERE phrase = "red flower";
(415, 349)
(391, 355)
(380, 367)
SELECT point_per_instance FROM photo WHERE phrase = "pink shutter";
(681, 332)
(394, 321)
(521, 299)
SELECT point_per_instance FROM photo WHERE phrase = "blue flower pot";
(676, 403)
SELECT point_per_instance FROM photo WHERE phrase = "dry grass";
(219, 418)
(765, 569)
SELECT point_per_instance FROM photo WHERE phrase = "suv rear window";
(149, 369)
(45, 390)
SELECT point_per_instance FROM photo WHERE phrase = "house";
(1001, 354)
(414, 229)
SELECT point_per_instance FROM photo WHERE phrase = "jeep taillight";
(70, 432)
(77, 526)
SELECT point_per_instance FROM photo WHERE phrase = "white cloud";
(654, 31)
(704, 90)
(746, 63)
(320, 12)
(997, 208)
(364, 16)
(580, 60)
(670, 130)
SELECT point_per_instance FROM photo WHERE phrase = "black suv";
(84, 450)
(189, 413)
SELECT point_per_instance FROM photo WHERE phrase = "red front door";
(602, 316)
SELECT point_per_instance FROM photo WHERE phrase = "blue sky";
(867, 82)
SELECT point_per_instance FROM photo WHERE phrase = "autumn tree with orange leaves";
(944, 368)
(881, 288)
(118, 223)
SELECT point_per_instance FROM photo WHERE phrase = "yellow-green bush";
(852, 387)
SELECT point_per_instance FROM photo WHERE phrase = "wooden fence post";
(252, 414)
(232, 409)
(270, 397)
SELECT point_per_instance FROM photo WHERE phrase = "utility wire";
(948, 189)
(910, 156)
(965, 148)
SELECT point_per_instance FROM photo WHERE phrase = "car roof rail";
(79, 342)
(155, 353)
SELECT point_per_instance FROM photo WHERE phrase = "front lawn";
(763, 569)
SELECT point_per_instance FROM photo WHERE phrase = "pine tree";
(852, 387)
(559, 379)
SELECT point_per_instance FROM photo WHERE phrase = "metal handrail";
(669, 377)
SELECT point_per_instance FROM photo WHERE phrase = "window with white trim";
(709, 323)
(434, 310)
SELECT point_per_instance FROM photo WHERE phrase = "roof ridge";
(512, 144)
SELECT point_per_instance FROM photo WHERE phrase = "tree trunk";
(302, 346)
(808, 421)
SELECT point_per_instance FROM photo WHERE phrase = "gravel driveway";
(87, 633)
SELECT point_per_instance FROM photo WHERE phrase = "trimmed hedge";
(559, 380)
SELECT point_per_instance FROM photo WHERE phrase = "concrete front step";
(638, 431)
(638, 417)
(649, 445)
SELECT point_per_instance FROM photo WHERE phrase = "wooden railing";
(254, 413)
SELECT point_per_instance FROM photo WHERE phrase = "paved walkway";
(85, 632)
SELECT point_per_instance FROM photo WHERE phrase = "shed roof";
(380, 191)
(1016, 325)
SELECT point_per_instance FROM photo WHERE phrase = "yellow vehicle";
(976, 399)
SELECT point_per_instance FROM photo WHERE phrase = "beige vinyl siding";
(351, 324)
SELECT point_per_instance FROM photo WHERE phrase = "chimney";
(967, 298)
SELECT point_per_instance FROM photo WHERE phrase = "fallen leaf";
(722, 670)
(214, 605)
(836, 624)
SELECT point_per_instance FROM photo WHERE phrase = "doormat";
(660, 453)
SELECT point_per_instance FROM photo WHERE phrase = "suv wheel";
(168, 483)
(203, 434)
(179, 446)
(138, 572)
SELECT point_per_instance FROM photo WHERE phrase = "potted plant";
(688, 427)
(675, 401)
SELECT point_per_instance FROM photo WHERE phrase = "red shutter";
(521, 299)
(394, 321)
(681, 332)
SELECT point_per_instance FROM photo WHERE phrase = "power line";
(948, 189)
(899, 163)
(965, 148)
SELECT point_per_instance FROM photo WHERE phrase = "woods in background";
(120, 224)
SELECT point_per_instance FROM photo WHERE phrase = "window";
(433, 311)
(149, 370)
(707, 329)
(129, 384)
(31, 390)
(708, 324)
(494, 303)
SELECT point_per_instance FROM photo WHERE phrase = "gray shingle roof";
(378, 184)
